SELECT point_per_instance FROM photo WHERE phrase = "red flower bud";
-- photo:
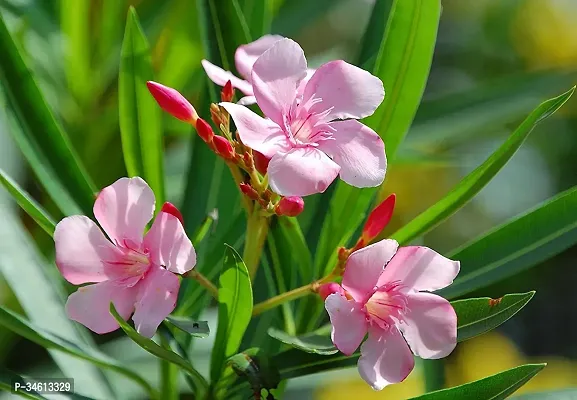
(172, 102)
(171, 209)
(223, 147)
(249, 191)
(290, 206)
(260, 162)
(204, 130)
(330, 288)
(378, 219)
(227, 92)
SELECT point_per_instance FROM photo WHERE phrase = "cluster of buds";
(230, 149)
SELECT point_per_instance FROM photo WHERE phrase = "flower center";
(131, 265)
(306, 127)
(387, 305)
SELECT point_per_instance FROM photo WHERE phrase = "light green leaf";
(480, 315)
(28, 204)
(140, 119)
(494, 387)
(310, 342)
(160, 352)
(195, 328)
(516, 245)
(476, 180)
(234, 310)
(562, 394)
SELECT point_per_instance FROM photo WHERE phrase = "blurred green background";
(495, 60)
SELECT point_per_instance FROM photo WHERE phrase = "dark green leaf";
(311, 342)
(7, 381)
(195, 328)
(294, 15)
(294, 363)
(374, 34)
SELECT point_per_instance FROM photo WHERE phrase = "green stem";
(204, 281)
(434, 371)
(168, 375)
(256, 231)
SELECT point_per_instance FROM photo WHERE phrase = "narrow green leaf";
(494, 387)
(295, 240)
(476, 180)
(258, 15)
(160, 352)
(477, 316)
(516, 245)
(234, 310)
(140, 119)
(294, 363)
(7, 380)
(195, 328)
(403, 63)
(28, 204)
(374, 34)
(294, 15)
(38, 122)
(310, 342)
(17, 324)
(562, 394)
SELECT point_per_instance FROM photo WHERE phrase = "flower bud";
(290, 206)
(171, 209)
(171, 101)
(227, 92)
(248, 161)
(249, 191)
(330, 288)
(204, 130)
(260, 162)
(223, 147)
(378, 219)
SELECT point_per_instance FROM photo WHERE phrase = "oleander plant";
(219, 225)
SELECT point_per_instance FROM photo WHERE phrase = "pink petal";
(420, 268)
(352, 91)
(220, 77)
(247, 54)
(303, 84)
(157, 294)
(246, 101)
(430, 326)
(123, 210)
(349, 323)
(385, 358)
(301, 172)
(90, 305)
(258, 133)
(365, 266)
(359, 151)
(81, 249)
(168, 244)
(276, 76)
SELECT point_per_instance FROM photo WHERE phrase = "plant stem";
(256, 231)
(283, 298)
(168, 375)
(434, 371)
(237, 176)
(204, 281)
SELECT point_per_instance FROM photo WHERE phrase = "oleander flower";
(133, 270)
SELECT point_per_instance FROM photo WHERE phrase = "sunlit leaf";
(310, 343)
(196, 328)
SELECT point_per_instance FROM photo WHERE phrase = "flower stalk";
(203, 281)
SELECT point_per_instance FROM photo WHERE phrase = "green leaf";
(160, 352)
(38, 122)
(403, 63)
(7, 380)
(516, 245)
(140, 119)
(374, 34)
(477, 316)
(17, 324)
(234, 310)
(299, 250)
(28, 204)
(562, 394)
(476, 180)
(295, 362)
(195, 328)
(294, 15)
(258, 15)
(310, 342)
(494, 387)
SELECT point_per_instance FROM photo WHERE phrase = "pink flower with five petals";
(134, 271)
(392, 305)
(304, 133)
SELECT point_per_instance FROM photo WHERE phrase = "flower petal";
(301, 172)
(123, 210)
(246, 101)
(365, 266)
(352, 91)
(348, 321)
(258, 133)
(90, 305)
(430, 326)
(81, 249)
(220, 77)
(420, 268)
(359, 151)
(385, 358)
(168, 244)
(247, 54)
(276, 76)
(156, 298)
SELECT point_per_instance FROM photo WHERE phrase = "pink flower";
(307, 146)
(392, 304)
(136, 273)
(244, 58)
